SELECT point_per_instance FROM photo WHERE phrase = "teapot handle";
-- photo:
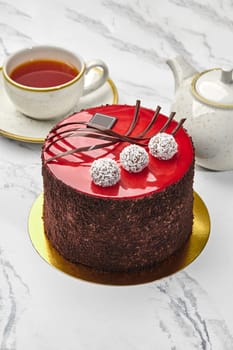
(226, 75)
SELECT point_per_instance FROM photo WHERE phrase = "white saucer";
(17, 126)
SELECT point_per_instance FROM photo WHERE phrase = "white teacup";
(54, 101)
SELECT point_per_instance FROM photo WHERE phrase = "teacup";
(46, 82)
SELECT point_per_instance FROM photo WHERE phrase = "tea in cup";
(46, 82)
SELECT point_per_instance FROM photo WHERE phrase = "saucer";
(185, 256)
(17, 126)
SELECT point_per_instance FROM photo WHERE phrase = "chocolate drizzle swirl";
(109, 136)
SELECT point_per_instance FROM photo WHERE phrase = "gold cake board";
(191, 250)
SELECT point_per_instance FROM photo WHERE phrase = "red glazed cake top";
(74, 169)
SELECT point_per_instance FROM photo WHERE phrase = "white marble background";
(43, 309)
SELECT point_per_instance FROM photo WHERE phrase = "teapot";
(205, 99)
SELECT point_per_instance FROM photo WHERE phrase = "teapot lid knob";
(214, 87)
(226, 75)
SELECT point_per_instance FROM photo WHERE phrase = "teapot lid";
(214, 87)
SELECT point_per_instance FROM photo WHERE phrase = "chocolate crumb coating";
(120, 234)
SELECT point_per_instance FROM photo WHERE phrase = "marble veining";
(188, 304)
(215, 13)
(153, 29)
(13, 295)
(24, 181)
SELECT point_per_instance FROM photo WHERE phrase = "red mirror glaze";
(74, 170)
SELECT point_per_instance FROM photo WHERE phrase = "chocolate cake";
(140, 214)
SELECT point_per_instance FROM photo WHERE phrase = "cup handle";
(103, 76)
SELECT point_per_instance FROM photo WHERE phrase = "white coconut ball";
(134, 158)
(163, 146)
(105, 172)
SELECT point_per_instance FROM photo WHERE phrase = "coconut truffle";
(105, 172)
(134, 158)
(163, 146)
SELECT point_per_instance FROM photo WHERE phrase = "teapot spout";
(181, 70)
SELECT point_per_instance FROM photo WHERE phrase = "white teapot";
(206, 101)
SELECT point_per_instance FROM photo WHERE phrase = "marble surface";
(44, 309)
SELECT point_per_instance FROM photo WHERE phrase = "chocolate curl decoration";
(153, 120)
(135, 118)
(181, 122)
(109, 136)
